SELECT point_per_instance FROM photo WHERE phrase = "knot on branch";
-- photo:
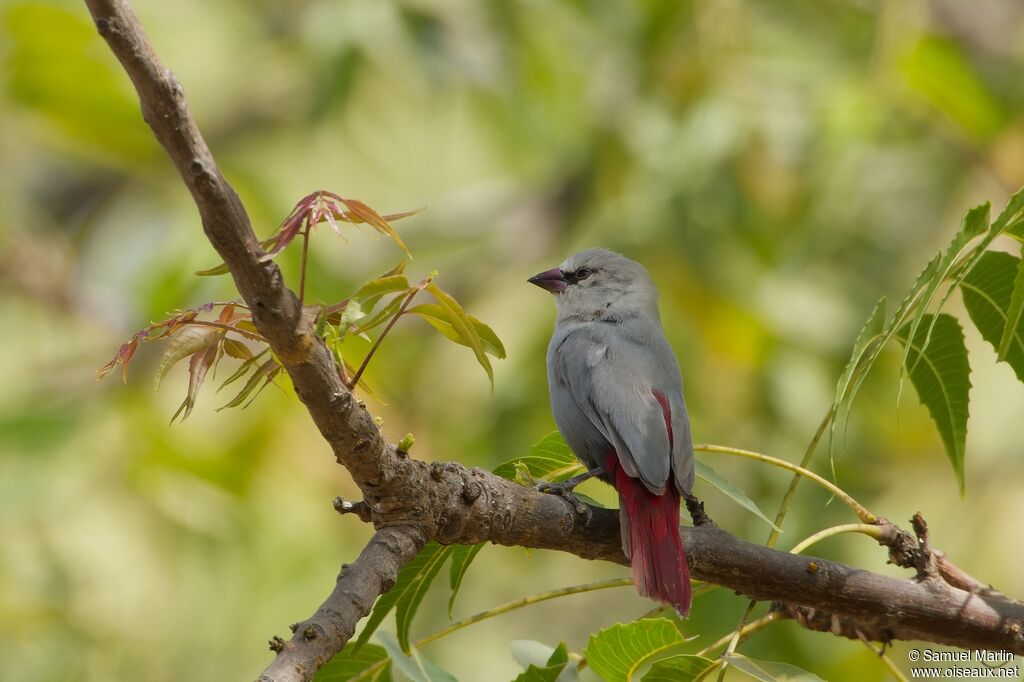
(925, 563)
(837, 624)
(696, 509)
(360, 509)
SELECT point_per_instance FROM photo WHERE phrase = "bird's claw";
(565, 492)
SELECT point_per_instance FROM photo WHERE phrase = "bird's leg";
(696, 509)
(565, 488)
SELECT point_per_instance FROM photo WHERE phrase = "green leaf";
(353, 311)
(529, 652)
(243, 368)
(616, 653)
(867, 358)
(554, 668)
(237, 349)
(221, 269)
(1015, 318)
(437, 317)
(265, 373)
(988, 291)
(371, 292)
(732, 492)
(462, 557)
(381, 316)
(865, 348)
(397, 270)
(941, 374)
(1011, 218)
(770, 671)
(550, 459)
(462, 324)
(974, 223)
(413, 666)
(351, 663)
(681, 668)
(407, 593)
(872, 330)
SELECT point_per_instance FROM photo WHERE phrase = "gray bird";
(617, 398)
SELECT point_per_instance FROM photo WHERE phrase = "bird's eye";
(583, 273)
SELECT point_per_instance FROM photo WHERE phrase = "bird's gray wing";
(613, 377)
(682, 441)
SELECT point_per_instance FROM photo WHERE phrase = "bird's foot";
(696, 509)
(565, 491)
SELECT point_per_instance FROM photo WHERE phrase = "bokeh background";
(778, 165)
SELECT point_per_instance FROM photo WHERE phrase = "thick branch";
(904, 608)
(411, 501)
(358, 586)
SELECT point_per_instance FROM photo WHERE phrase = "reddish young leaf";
(198, 366)
(226, 313)
(190, 341)
(376, 220)
(122, 357)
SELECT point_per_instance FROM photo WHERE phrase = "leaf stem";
(860, 510)
(354, 381)
(302, 270)
(787, 499)
(525, 601)
(748, 630)
(870, 530)
(734, 637)
(220, 325)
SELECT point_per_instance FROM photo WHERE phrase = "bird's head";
(599, 283)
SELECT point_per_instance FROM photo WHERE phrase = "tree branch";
(410, 501)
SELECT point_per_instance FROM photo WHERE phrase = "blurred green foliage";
(777, 165)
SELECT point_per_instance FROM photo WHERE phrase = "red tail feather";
(650, 538)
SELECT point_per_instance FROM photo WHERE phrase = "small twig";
(958, 577)
(745, 633)
(925, 564)
(696, 509)
(734, 637)
(302, 269)
(354, 381)
(876, 532)
(227, 327)
(360, 509)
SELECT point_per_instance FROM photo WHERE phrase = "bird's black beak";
(552, 280)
